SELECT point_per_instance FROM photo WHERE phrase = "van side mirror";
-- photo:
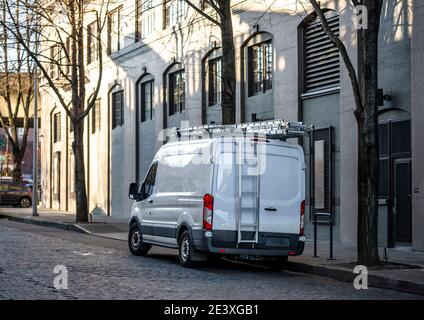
(133, 192)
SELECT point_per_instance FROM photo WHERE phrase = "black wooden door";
(402, 207)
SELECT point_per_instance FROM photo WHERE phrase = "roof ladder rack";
(273, 129)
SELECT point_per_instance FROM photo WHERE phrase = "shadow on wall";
(396, 20)
(189, 54)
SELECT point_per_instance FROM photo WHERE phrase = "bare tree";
(364, 86)
(61, 53)
(219, 13)
(16, 89)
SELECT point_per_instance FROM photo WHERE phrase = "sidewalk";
(404, 272)
(115, 228)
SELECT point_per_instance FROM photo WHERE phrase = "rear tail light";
(302, 218)
(207, 211)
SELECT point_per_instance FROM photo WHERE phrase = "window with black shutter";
(92, 45)
(56, 127)
(95, 117)
(176, 92)
(117, 109)
(146, 100)
(321, 58)
(215, 81)
(173, 12)
(321, 170)
(114, 32)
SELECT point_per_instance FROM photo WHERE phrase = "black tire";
(276, 264)
(135, 241)
(25, 202)
(185, 250)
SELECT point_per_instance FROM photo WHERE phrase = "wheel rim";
(185, 249)
(135, 240)
(25, 203)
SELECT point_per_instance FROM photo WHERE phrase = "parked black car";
(18, 194)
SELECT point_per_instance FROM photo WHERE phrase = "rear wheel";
(276, 264)
(25, 202)
(185, 250)
(135, 241)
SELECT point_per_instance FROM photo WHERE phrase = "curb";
(343, 275)
(52, 224)
(348, 276)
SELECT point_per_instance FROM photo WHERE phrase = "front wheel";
(135, 241)
(185, 250)
(25, 202)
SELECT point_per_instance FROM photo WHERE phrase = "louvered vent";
(321, 56)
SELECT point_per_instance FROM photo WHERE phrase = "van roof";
(206, 142)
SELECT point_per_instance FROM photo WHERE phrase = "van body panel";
(191, 206)
(282, 189)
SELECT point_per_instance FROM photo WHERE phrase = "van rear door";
(282, 186)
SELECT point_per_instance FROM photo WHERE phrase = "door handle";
(270, 209)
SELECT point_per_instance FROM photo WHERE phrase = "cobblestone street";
(100, 268)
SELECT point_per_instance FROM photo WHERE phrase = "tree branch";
(202, 13)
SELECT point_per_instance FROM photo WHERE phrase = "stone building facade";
(162, 67)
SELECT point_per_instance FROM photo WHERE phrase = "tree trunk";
(79, 171)
(228, 65)
(368, 157)
(17, 164)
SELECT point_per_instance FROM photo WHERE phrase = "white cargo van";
(238, 197)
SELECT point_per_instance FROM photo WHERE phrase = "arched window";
(320, 57)
(260, 64)
(117, 109)
(56, 127)
(145, 90)
(213, 77)
(176, 84)
(257, 77)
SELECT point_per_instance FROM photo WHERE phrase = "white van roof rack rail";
(273, 129)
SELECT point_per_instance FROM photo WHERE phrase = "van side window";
(149, 183)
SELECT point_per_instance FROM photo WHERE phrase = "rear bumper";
(210, 245)
(274, 252)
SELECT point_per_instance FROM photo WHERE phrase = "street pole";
(35, 148)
